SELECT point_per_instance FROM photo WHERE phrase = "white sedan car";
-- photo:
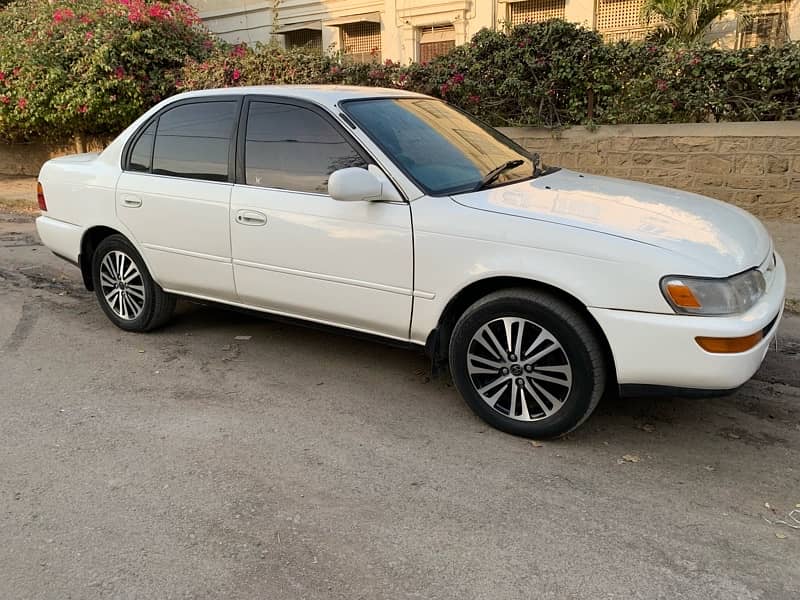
(393, 214)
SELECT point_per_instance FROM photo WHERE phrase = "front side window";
(293, 148)
(442, 149)
(194, 140)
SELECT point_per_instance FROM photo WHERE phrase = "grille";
(622, 20)
(536, 11)
(362, 41)
(435, 41)
(763, 28)
(304, 37)
(429, 51)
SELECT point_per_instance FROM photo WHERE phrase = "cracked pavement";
(304, 464)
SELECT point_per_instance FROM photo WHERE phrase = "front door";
(174, 196)
(296, 251)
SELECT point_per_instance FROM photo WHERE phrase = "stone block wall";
(753, 165)
(27, 159)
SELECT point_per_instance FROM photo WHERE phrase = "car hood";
(719, 238)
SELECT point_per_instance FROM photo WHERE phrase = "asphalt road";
(302, 464)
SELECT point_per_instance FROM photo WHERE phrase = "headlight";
(698, 296)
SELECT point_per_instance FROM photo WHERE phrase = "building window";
(304, 37)
(361, 42)
(535, 11)
(622, 20)
(435, 41)
(762, 28)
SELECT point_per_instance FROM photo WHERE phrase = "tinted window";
(293, 148)
(193, 141)
(142, 152)
(442, 149)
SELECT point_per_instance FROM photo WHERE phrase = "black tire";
(577, 353)
(157, 306)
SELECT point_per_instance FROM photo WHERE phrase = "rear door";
(299, 252)
(174, 195)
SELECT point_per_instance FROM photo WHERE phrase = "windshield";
(442, 149)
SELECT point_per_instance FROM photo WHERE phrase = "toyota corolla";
(396, 215)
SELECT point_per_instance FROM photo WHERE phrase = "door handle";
(131, 201)
(251, 217)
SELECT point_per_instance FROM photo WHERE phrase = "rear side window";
(293, 148)
(142, 152)
(194, 140)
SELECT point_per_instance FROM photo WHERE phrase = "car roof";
(328, 95)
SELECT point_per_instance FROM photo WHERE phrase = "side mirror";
(358, 185)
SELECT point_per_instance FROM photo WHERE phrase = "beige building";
(415, 30)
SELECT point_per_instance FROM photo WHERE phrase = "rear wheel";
(527, 363)
(124, 288)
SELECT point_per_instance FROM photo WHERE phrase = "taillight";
(40, 197)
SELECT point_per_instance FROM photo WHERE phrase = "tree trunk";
(80, 143)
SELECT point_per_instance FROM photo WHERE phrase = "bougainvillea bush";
(82, 67)
(550, 74)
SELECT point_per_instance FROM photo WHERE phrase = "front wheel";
(527, 363)
(124, 288)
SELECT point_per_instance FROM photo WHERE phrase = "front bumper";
(660, 349)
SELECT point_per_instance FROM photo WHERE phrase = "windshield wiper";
(496, 172)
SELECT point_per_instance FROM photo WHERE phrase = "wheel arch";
(438, 339)
(89, 242)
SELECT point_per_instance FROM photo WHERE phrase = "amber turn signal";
(682, 296)
(729, 345)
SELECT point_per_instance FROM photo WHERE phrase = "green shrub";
(75, 67)
(550, 74)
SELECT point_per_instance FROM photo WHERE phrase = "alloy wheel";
(122, 285)
(519, 369)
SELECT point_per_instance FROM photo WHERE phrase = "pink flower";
(335, 69)
(457, 78)
(695, 61)
(444, 88)
(474, 99)
(82, 109)
(662, 85)
(119, 73)
(86, 20)
(22, 103)
(63, 14)
(88, 36)
(236, 74)
(239, 50)
(16, 71)
(158, 12)
(5, 99)
(389, 62)
(2, 76)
